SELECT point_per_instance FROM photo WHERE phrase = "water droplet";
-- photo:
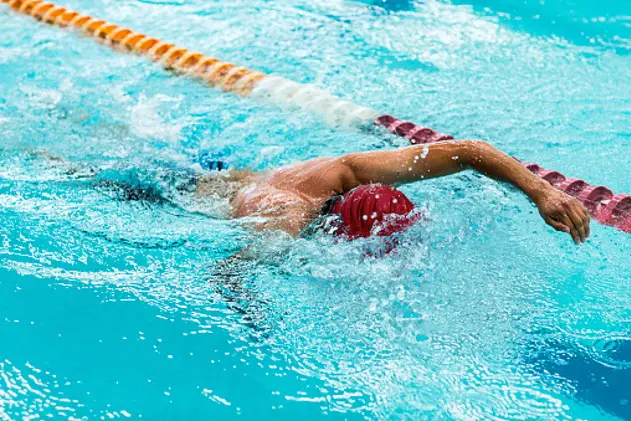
(425, 151)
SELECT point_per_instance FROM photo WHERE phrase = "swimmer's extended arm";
(559, 210)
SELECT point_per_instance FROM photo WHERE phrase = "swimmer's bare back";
(292, 196)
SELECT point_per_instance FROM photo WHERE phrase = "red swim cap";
(364, 212)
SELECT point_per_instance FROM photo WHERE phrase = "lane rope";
(215, 72)
(604, 206)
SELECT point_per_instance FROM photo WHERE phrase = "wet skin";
(291, 197)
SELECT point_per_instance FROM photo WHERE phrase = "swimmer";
(352, 196)
(358, 190)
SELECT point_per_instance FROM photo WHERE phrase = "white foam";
(147, 122)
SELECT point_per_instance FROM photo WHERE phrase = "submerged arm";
(559, 210)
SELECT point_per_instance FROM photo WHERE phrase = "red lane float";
(603, 205)
(416, 134)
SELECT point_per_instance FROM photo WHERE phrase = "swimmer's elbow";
(349, 168)
(473, 151)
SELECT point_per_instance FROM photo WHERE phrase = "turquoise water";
(116, 309)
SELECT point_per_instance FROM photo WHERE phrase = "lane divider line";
(605, 206)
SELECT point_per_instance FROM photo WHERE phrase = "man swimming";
(357, 190)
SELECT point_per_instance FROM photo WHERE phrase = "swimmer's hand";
(564, 213)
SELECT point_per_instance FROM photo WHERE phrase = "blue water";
(116, 309)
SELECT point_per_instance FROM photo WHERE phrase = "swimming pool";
(113, 309)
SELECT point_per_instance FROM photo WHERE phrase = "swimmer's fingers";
(556, 224)
(574, 230)
(580, 218)
(560, 221)
(564, 213)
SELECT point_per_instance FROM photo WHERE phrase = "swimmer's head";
(373, 209)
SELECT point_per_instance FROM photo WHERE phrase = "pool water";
(114, 308)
